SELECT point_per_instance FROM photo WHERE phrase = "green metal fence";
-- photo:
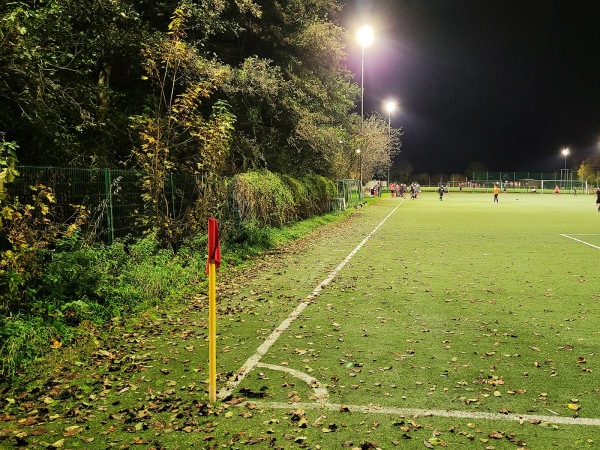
(513, 176)
(113, 197)
(349, 193)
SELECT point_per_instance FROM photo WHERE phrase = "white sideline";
(241, 373)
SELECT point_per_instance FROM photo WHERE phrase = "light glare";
(365, 35)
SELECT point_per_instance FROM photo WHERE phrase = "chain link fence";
(112, 197)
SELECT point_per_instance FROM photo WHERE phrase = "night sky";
(508, 83)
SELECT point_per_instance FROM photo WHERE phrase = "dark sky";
(508, 83)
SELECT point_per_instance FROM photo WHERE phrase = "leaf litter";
(148, 384)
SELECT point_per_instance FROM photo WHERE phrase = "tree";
(174, 135)
(290, 89)
(439, 178)
(401, 171)
(375, 145)
(57, 61)
(474, 167)
(589, 170)
(421, 178)
(72, 73)
(456, 178)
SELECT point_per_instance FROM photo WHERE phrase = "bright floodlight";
(390, 106)
(565, 152)
(358, 151)
(365, 35)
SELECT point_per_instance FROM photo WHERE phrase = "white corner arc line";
(242, 372)
(579, 240)
(320, 389)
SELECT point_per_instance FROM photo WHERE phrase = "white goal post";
(564, 186)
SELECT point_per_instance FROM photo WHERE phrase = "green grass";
(459, 305)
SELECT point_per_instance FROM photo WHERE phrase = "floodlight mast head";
(390, 106)
(365, 35)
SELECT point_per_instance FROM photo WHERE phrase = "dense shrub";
(301, 200)
(53, 281)
(262, 199)
(321, 192)
(94, 283)
(22, 339)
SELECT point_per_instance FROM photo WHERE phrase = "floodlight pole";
(364, 37)
(390, 106)
(359, 165)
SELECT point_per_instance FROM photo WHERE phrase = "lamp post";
(390, 106)
(360, 168)
(565, 153)
(365, 37)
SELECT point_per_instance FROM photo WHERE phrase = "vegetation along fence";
(113, 197)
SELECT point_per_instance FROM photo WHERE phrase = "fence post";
(172, 195)
(109, 205)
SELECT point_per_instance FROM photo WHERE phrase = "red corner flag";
(214, 250)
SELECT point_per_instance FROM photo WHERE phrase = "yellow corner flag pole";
(213, 262)
(212, 331)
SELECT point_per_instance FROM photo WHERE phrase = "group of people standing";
(400, 189)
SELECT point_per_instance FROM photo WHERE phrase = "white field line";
(579, 240)
(321, 392)
(241, 373)
(416, 412)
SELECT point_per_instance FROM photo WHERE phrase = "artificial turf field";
(408, 324)
(459, 307)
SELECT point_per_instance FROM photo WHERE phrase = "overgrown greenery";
(233, 92)
(206, 87)
(53, 279)
(264, 199)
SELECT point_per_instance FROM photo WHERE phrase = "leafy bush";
(262, 199)
(116, 279)
(265, 199)
(53, 282)
(21, 338)
(95, 283)
(300, 196)
(27, 235)
(321, 192)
